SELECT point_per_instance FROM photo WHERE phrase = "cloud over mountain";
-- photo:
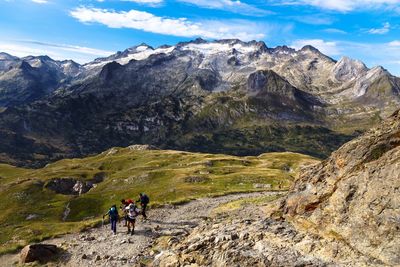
(145, 21)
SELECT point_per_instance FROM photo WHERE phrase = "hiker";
(132, 212)
(113, 214)
(125, 203)
(144, 201)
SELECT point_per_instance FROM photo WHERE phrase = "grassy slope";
(167, 176)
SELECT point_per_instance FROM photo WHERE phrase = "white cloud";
(328, 48)
(394, 43)
(145, 1)
(385, 29)
(153, 3)
(40, 1)
(341, 5)
(234, 6)
(80, 54)
(334, 30)
(140, 20)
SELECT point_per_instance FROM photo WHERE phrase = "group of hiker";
(130, 211)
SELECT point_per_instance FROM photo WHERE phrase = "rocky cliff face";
(354, 195)
(225, 96)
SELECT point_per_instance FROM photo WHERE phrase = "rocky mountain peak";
(5, 56)
(310, 48)
(138, 48)
(42, 58)
(195, 41)
(25, 66)
(285, 50)
(264, 80)
(347, 69)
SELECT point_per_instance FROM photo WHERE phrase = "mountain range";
(225, 96)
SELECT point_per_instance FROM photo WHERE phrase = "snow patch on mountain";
(216, 48)
(141, 52)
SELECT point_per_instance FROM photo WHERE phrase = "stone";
(244, 235)
(166, 259)
(263, 186)
(234, 236)
(31, 217)
(259, 236)
(39, 252)
(89, 238)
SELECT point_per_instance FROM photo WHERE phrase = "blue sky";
(368, 30)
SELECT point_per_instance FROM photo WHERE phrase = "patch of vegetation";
(31, 212)
(238, 204)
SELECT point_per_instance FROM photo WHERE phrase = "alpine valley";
(225, 96)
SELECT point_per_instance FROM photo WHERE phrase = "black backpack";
(113, 212)
(145, 199)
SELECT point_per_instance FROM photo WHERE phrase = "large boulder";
(39, 252)
(354, 196)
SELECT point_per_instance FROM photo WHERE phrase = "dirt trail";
(100, 247)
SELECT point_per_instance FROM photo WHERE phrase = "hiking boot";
(133, 231)
(129, 231)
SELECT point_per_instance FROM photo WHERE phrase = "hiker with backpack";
(113, 215)
(125, 203)
(132, 212)
(144, 201)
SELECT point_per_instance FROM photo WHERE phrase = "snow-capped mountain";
(234, 61)
(223, 96)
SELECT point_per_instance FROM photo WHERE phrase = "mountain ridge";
(241, 98)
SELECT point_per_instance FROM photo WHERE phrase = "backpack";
(145, 199)
(113, 213)
(133, 211)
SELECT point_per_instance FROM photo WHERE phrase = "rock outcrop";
(354, 196)
(39, 252)
(70, 186)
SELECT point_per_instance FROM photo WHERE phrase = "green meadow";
(31, 212)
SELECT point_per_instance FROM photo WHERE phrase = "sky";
(368, 30)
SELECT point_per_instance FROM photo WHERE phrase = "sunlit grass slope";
(166, 176)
